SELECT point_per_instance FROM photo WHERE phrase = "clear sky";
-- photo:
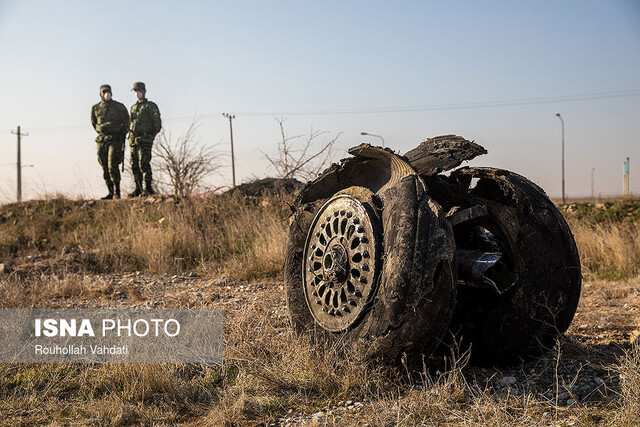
(406, 70)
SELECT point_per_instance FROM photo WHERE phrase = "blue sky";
(336, 61)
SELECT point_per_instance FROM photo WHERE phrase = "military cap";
(139, 86)
(105, 88)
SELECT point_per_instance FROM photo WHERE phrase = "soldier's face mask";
(106, 96)
(140, 94)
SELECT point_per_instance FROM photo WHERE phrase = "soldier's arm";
(124, 114)
(157, 122)
(94, 121)
(131, 116)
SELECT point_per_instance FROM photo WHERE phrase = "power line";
(389, 110)
(460, 106)
(471, 105)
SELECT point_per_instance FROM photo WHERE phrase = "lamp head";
(558, 114)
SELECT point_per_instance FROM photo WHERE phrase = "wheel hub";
(335, 263)
(340, 259)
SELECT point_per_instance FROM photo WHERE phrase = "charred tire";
(409, 307)
(526, 319)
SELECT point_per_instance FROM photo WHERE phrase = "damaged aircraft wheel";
(370, 258)
(519, 267)
(341, 261)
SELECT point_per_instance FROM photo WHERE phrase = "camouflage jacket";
(145, 122)
(111, 120)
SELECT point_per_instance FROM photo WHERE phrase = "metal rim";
(339, 265)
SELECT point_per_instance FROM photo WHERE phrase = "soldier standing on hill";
(111, 120)
(145, 124)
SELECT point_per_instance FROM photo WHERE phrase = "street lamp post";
(563, 194)
(593, 186)
(371, 134)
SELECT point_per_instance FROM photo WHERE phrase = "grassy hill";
(243, 237)
(238, 236)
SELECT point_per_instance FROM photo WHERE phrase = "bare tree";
(303, 160)
(185, 163)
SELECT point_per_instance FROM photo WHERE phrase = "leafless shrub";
(302, 156)
(185, 163)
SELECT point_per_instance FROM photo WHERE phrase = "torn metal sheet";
(442, 153)
(464, 215)
(398, 166)
(473, 266)
(374, 168)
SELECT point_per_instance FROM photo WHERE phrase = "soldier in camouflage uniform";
(111, 120)
(145, 124)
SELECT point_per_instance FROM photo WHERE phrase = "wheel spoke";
(338, 270)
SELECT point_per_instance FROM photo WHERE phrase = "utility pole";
(593, 186)
(233, 160)
(19, 164)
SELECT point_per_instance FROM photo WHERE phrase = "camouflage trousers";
(110, 157)
(141, 161)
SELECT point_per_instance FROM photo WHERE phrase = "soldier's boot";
(116, 192)
(138, 191)
(110, 195)
(148, 188)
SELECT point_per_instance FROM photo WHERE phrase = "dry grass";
(606, 235)
(269, 371)
(116, 394)
(242, 237)
(629, 370)
(608, 250)
(279, 371)
(233, 235)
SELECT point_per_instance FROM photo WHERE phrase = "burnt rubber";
(539, 246)
(414, 298)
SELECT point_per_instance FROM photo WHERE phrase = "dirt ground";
(579, 373)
